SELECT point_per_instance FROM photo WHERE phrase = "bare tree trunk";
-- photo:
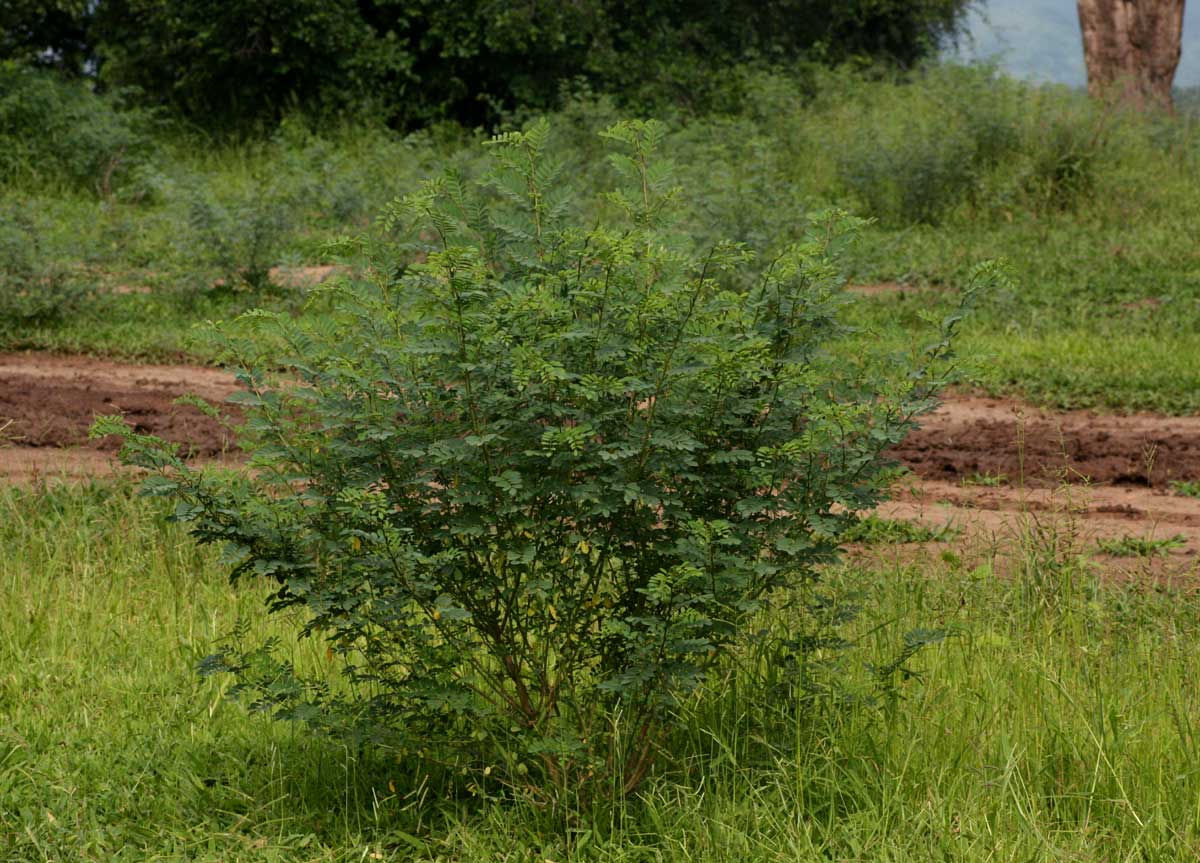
(1132, 48)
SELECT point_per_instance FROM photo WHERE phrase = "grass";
(872, 529)
(958, 167)
(1030, 733)
(1139, 546)
(987, 479)
(1186, 488)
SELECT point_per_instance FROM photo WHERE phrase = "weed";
(987, 479)
(1186, 488)
(1138, 546)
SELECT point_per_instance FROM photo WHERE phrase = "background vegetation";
(1092, 209)
(409, 62)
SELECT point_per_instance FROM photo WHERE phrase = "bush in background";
(58, 132)
(33, 290)
(242, 64)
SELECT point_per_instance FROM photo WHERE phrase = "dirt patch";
(48, 403)
(888, 289)
(1005, 442)
(306, 277)
(1006, 526)
(981, 463)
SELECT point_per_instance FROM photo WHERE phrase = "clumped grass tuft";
(1139, 546)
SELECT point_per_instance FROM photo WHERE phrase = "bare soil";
(1006, 474)
(972, 439)
(48, 403)
(994, 468)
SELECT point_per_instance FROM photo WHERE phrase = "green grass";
(1186, 488)
(1139, 546)
(987, 479)
(1084, 205)
(1030, 734)
(872, 530)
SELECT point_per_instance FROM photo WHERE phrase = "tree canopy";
(415, 61)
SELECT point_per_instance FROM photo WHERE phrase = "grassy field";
(1094, 212)
(1059, 722)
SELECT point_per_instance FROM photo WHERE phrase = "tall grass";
(1059, 722)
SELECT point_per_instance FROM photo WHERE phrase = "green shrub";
(534, 476)
(1065, 144)
(60, 132)
(232, 244)
(33, 290)
(911, 151)
(909, 172)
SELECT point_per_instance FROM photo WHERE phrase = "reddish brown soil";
(48, 403)
(968, 438)
(997, 469)
(1011, 477)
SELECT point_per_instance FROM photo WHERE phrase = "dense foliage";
(55, 33)
(533, 479)
(420, 60)
(59, 132)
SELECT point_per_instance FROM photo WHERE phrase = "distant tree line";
(417, 61)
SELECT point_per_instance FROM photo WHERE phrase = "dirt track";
(48, 403)
(974, 438)
(984, 465)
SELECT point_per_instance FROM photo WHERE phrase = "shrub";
(914, 150)
(59, 132)
(232, 244)
(32, 290)
(532, 479)
(911, 172)
(1066, 142)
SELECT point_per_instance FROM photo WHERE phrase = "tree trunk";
(1131, 48)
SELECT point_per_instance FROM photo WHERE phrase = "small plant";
(987, 479)
(531, 481)
(1186, 488)
(1138, 546)
(873, 530)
